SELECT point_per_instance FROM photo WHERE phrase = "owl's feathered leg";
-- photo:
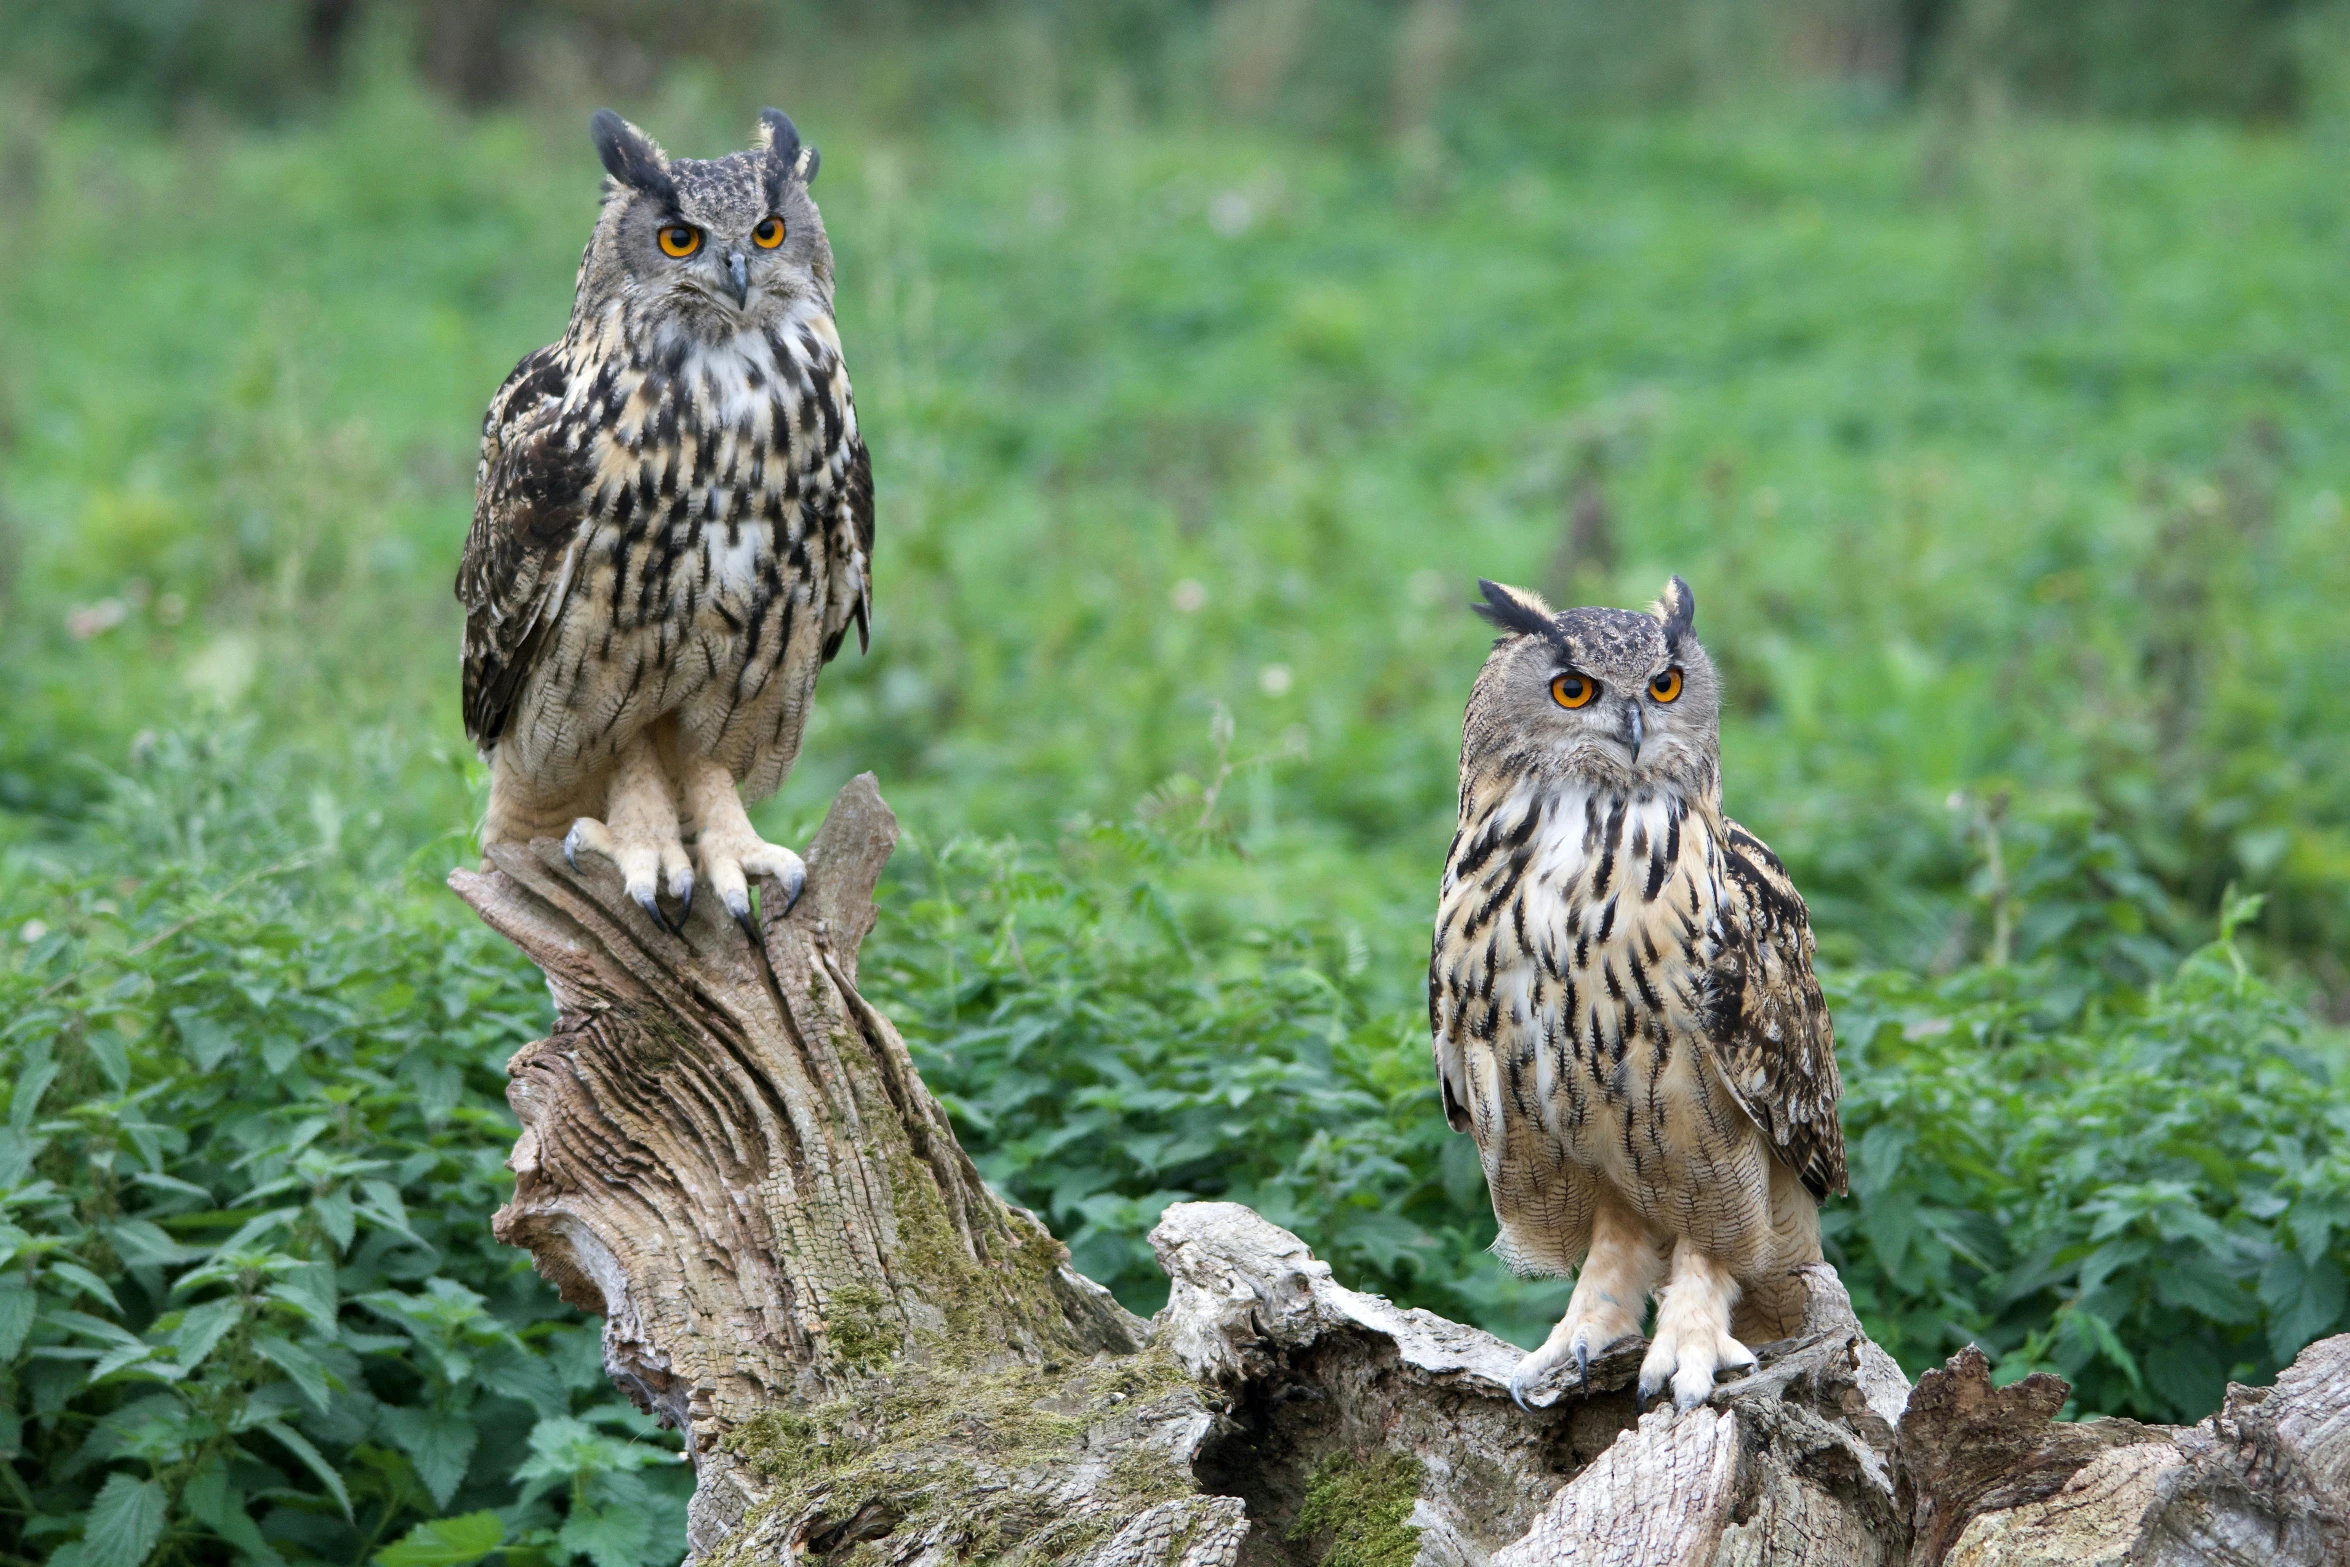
(639, 833)
(1692, 1330)
(730, 849)
(1611, 1296)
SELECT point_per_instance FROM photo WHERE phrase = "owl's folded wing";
(520, 553)
(1768, 1022)
(1452, 1066)
(851, 597)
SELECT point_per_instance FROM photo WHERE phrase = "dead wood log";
(730, 1156)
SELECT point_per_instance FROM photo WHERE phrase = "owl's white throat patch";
(1580, 828)
(722, 376)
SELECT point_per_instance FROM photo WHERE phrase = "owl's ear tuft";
(778, 137)
(1677, 608)
(789, 158)
(1516, 610)
(630, 156)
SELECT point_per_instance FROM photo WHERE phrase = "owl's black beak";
(738, 274)
(1632, 728)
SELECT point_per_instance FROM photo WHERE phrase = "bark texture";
(728, 1155)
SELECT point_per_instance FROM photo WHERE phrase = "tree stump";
(729, 1155)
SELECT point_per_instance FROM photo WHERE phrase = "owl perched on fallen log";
(673, 526)
(1622, 998)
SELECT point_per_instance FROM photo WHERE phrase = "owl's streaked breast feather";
(692, 478)
(1576, 923)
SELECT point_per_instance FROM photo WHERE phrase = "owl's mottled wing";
(528, 504)
(852, 554)
(1452, 1066)
(1766, 1019)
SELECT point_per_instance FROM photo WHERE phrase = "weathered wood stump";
(730, 1156)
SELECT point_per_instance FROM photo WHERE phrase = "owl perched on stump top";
(1622, 999)
(673, 527)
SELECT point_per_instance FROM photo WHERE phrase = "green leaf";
(107, 1048)
(2304, 1302)
(512, 1370)
(384, 1206)
(84, 1280)
(201, 1330)
(304, 1368)
(220, 1507)
(608, 1537)
(17, 1305)
(2199, 1290)
(208, 1042)
(438, 1441)
(256, 1227)
(123, 1356)
(336, 1214)
(142, 1243)
(446, 1542)
(297, 1444)
(308, 1302)
(125, 1522)
(29, 1089)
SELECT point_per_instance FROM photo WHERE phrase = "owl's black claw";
(1650, 1387)
(793, 885)
(571, 850)
(739, 905)
(685, 901)
(1582, 1366)
(646, 902)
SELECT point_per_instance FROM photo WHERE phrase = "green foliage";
(249, 1306)
(2150, 1196)
(2142, 1187)
(1351, 69)
(446, 1542)
(2005, 458)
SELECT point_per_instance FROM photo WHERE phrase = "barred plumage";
(1621, 996)
(673, 527)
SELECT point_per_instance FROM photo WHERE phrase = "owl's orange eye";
(1666, 686)
(677, 239)
(1572, 690)
(768, 234)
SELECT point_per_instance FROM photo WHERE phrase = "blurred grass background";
(1981, 366)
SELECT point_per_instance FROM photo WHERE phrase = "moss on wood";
(973, 1460)
(1359, 1505)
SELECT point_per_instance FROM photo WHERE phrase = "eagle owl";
(1622, 998)
(672, 528)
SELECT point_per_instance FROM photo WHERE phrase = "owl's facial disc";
(719, 248)
(1604, 697)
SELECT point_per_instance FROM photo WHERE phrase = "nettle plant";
(249, 1305)
(2144, 1186)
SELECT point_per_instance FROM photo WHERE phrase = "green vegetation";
(1359, 1506)
(2006, 458)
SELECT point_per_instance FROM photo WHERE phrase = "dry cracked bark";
(730, 1156)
